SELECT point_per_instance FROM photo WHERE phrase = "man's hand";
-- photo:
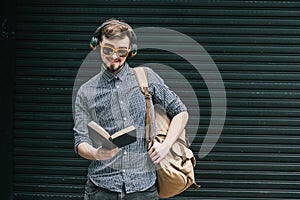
(88, 152)
(104, 154)
(158, 151)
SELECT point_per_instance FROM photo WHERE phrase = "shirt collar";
(108, 76)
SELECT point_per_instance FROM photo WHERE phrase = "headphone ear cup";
(94, 42)
(134, 50)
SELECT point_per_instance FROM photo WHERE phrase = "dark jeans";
(92, 192)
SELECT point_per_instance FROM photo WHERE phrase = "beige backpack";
(175, 173)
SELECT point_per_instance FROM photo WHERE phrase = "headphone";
(97, 35)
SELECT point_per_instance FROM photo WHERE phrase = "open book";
(119, 139)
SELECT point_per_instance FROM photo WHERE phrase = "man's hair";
(116, 29)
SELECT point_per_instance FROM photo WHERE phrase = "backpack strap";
(142, 79)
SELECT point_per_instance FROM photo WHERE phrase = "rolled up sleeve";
(81, 119)
(164, 96)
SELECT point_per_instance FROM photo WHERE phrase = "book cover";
(119, 139)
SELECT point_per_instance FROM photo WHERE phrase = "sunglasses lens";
(108, 51)
(122, 52)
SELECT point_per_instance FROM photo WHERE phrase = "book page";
(99, 129)
(123, 131)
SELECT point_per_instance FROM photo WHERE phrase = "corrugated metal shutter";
(255, 45)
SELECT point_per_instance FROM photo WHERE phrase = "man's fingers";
(154, 155)
(152, 152)
(152, 149)
(150, 144)
(105, 154)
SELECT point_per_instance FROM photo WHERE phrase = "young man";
(112, 98)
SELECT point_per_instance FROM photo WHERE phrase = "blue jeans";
(93, 192)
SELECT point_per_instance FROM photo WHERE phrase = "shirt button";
(121, 102)
(124, 118)
(125, 152)
(117, 87)
(123, 170)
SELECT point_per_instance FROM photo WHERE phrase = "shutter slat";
(255, 46)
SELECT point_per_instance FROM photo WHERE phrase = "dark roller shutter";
(255, 45)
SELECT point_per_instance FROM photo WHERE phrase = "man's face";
(114, 62)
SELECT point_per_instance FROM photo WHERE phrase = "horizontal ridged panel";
(255, 46)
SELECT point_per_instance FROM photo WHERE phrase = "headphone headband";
(98, 34)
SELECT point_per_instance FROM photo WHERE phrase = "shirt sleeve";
(161, 94)
(81, 119)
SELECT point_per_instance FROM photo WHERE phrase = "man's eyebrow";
(106, 44)
(110, 45)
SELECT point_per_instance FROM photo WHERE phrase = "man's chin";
(114, 67)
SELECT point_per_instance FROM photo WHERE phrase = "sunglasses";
(109, 51)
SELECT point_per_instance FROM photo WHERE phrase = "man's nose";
(114, 56)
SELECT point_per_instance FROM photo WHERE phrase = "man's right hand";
(86, 151)
(104, 154)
